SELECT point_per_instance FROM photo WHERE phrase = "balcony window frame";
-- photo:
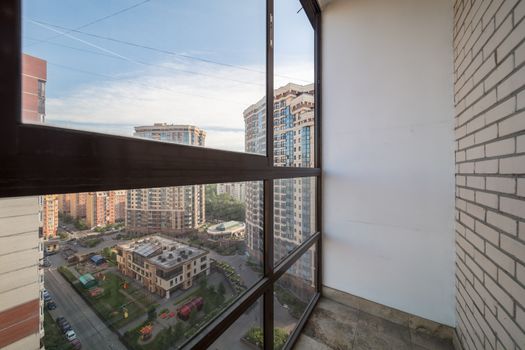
(34, 157)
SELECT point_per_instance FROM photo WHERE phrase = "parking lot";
(90, 330)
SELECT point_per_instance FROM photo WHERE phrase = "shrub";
(152, 313)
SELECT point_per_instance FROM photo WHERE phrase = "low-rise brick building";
(161, 264)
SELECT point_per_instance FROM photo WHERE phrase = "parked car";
(51, 305)
(59, 320)
(76, 344)
(70, 335)
(66, 327)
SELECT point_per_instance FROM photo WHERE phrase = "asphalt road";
(91, 331)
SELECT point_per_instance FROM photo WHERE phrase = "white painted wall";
(388, 153)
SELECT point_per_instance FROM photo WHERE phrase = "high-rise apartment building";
(100, 208)
(23, 223)
(21, 282)
(120, 205)
(50, 206)
(293, 125)
(64, 203)
(77, 204)
(167, 209)
(34, 77)
(182, 134)
(236, 190)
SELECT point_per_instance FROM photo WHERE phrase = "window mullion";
(318, 145)
(268, 263)
(268, 184)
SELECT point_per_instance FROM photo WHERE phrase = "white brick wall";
(489, 86)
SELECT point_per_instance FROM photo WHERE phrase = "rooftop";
(163, 252)
(166, 126)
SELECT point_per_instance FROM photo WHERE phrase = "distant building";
(49, 216)
(77, 204)
(100, 208)
(93, 206)
(161, 264)
(227, 230)
(167, 209)
(236, 190)
(34, 78)
(120, 205)
(293, 124)
(181, 134)
(64, 203)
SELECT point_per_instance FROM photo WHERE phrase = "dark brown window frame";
(33, 158)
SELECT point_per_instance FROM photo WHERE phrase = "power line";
(164, 51)
(78, 39)
(140, 62)
(69, 47)
(110, 77)
(95, 21)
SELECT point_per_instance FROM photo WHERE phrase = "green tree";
(221, 290)
(80, 224)
(152, 313)
(106, 252)
(223, 207)
(255, 336)
(178, 331)
(207, 307)
(192, 320)
(279, 338)
(211, 289)
(203, 283)
(65, 218)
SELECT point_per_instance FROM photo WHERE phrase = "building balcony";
(407, 115)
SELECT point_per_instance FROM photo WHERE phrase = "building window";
(169, 172)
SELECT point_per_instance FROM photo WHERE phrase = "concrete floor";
(337, 326)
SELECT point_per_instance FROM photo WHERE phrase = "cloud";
(208, 96)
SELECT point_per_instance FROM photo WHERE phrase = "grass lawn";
(109, 305)
(214, 303)
(54, 339)
(163, 340)
(111, 302)
(296, 305)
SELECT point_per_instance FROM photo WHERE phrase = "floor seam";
(356, 329)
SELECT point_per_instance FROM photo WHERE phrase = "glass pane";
(293, 292)
(184, 72)
(151, 266)
(244, 334)
(294, 97)
(294, 214)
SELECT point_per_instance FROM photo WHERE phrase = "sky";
(116, 64)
